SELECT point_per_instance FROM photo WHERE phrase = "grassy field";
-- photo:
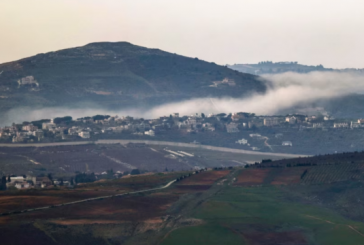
(240, 215)
(252, 206)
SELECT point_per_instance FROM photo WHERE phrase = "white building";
(232, 128)
(291, 120)
(84, 135)
(29, 127)
(48, 126)
(355, 125)
(242, 142)
(287, 143)
(22, 185)
(271, 121)
(150, 133)
(341, 125)
(317, 125)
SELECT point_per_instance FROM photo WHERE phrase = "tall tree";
(3, 183)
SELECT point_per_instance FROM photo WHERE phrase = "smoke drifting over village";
(283, 92)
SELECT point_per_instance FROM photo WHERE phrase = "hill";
(115, 75)
(268, 67)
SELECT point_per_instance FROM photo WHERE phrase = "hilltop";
(115, 75)
(269, 67)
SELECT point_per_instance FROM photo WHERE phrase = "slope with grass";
(115, 75)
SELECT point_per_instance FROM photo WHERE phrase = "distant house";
(16, 179)
(287, 143)
(232, 128)
(355, 125)
(317, 125)
(22, 185)
(255, 135)
(18, 139)
(291, 120)
(271, 121)
(150, 133)
(341, 125)
(242, 142)
(43, 182)
(28, 80)
(48, 126)
(29, 127)
(84, 134)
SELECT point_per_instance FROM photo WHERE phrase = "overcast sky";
(328, 32)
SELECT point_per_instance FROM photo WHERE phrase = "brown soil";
(250, 177)
(204, 178)
(289, 176)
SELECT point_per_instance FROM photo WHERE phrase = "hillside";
(115, 75)
(268, 67)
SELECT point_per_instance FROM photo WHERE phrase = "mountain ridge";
(115, 73)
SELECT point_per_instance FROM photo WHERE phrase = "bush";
(135, 172)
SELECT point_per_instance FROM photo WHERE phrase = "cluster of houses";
(27, 182)
(90, 127)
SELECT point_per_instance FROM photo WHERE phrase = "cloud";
(284, 91)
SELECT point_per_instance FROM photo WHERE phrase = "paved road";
(155, 142)
(85, 200)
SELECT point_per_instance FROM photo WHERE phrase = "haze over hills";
(116, 75)
(269, 67)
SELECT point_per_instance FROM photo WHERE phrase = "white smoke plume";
(284, 91)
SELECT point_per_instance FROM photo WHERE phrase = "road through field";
(156, 142)
(85, 200)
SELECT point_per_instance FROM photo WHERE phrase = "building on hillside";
(150, 133)
(255, 123)
(39, 134)
(43, 182)
(355, 125)
(232, 128)
(291, 119)
(271, 121)
(17, 179)
(29, 127)
(255, 135)
(22, 185)
(286, 143)
(48, 126)
(317, 125)
(242, 142)
(28, 80)
(84, 134)
(175, 115)
(208, 126)
(341, 125)
(18, 139)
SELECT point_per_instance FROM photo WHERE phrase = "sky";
(327, 32)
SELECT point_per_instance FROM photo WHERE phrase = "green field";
(265, 216)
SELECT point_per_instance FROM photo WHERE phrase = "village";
(103, 127)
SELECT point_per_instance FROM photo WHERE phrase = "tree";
(50, 177)
(9, 180)
(203, 115)
(3, 184)
(135, 172)
(59, 120)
